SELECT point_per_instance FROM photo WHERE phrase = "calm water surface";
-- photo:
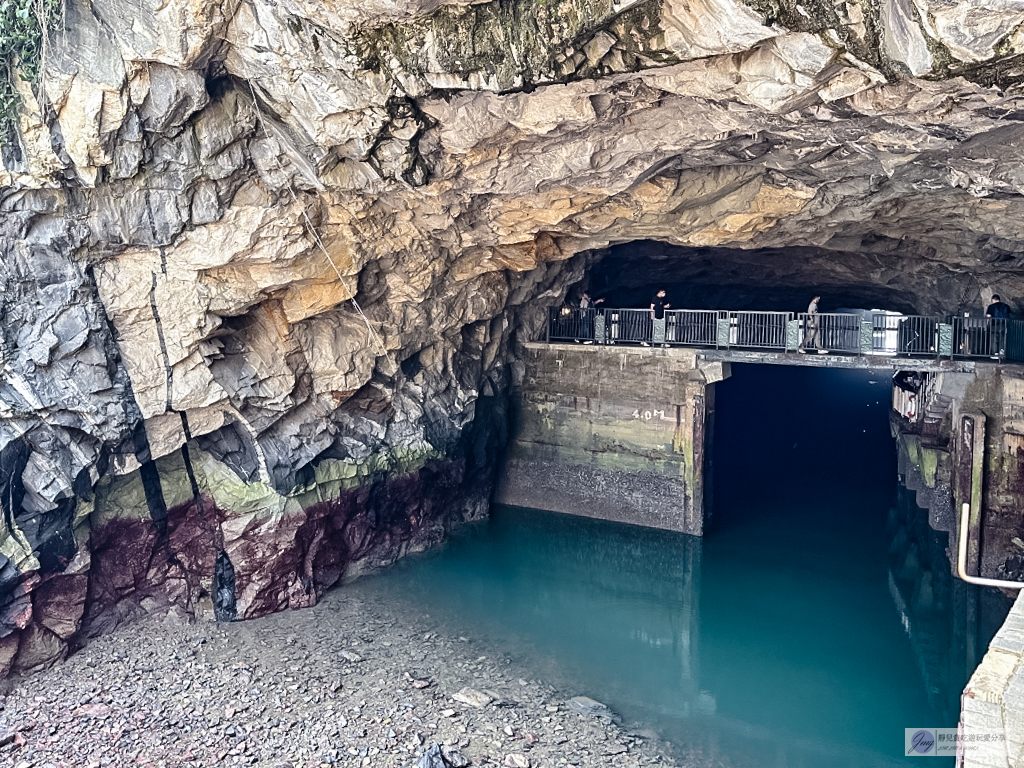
(812, 624)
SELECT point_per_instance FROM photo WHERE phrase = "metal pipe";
(961, 558)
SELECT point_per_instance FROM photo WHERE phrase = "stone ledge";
(993, 700)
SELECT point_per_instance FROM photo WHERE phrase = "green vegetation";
(23, 25)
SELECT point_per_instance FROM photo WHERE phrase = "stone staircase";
(936, 406)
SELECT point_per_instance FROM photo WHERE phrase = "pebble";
(473, 698)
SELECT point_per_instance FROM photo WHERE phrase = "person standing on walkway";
(997, 310)
(996, 315)
(812, 332)
(587, 307)
(658, 306)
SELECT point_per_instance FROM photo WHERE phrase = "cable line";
(316, 237)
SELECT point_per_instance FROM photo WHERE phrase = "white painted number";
(648, 415)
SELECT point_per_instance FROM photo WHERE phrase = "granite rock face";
(266, 266)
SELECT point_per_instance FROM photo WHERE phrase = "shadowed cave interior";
(785, 279)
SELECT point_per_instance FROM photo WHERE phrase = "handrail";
(961, 558)
(909, 335)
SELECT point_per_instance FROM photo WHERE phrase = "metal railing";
(918, 335)
(628, 325)
(758, 330)
(880, 333)
(565, 324)
(831, 332)
(988, 337)
(692, 327)
(1014, 349)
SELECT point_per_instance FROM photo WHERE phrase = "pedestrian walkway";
(845, 334)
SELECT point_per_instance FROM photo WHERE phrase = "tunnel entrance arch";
(602, 361)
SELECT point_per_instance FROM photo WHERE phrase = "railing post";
(867, 337)
(945, 340)
(722, 338)
(599, 337)
(792, 334)
(547, 330)
(658, 330)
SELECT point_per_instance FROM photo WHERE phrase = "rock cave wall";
(195, 415)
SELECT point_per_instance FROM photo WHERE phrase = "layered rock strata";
(266, 265)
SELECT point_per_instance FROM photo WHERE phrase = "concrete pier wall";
(613, 433)
(976, 456)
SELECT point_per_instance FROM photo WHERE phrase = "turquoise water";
(796, 633)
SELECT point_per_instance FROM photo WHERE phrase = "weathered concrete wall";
(613, 433)
(927, 470)
(976, 457)
(993, 702)
(1004, 473)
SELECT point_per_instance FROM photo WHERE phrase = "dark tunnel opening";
(779, 279)
(815, 543)
(788, 435)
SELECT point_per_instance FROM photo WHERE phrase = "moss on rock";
(508, 44)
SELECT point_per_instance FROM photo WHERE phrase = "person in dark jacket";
(997, 309)
(997, 313)
(659, 304)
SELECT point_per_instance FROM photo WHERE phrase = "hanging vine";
(24, 26)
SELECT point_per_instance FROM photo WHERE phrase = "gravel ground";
(351, 682)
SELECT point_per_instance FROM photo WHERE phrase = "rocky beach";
(354, 681)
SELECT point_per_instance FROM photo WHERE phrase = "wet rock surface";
(351, 682)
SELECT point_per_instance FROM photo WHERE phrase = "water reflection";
(615, 604)
(742, 649)
(949, 623)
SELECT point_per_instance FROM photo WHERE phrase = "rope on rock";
(316, 236)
